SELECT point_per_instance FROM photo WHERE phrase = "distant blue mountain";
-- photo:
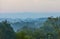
(18, 24)
(24, 15)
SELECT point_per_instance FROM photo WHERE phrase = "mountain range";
(18, 23)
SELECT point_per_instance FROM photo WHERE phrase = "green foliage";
(49, 30)
(6, 31)
(22, 35)
(53, 25)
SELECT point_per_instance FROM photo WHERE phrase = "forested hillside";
(50, 29)
(6, 31)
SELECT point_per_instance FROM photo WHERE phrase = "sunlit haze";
(29, 8)
(29, 5)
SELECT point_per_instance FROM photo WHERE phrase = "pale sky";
(29, 5)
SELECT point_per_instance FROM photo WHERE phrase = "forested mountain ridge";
(50, 29)
(17, 24)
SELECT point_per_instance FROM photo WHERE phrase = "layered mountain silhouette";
(18, 24)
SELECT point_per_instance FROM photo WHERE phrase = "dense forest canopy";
(6, 31)
(49, 30)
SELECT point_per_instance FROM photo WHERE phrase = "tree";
(6, 31)
(23, 35)
(52, 25)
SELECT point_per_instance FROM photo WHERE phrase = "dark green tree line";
(6, 31)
